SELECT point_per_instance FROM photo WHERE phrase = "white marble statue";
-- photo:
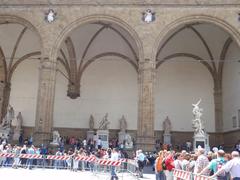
(7, 120)
(56, 137)
(123, 124)
(167, 126)
(197, 122)
(103, 125)
(19, 122)
(91, 122)
(128, 142)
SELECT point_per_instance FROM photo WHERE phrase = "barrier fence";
(72, 162)
(186, 175)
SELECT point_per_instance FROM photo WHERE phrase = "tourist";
(140, 161)
(169, 163)
(215, 165)
(232, 166)
(114, 157)
(158, 167)
(201, 162)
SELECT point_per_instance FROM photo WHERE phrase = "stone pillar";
(218, 114)
(45, 102)
(145, 132)
(5, 98)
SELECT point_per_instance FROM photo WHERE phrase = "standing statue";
(123, 124)
(19, 122)
(7, 120)
(103, 125)
(167, 126)
(91, 123)
(197, 122)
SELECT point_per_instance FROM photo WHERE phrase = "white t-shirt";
(233, 166)
(114, 156)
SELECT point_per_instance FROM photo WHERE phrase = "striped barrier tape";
(30, 156)
(79, 158)
(182, 174)
(7, 155)
(54, 157)
(108, 162)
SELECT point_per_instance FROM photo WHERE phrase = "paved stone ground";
(23, 174)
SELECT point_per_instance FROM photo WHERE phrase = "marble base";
(167, 139)
(104, 135)
(90, 135)
(121, 137)
(201, 140)
(16, 135)
(5, 133)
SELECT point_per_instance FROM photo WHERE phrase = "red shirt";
(169, 163)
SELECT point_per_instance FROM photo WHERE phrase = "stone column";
(45, 101)
(218, 114)
(145, 132)
(5, 98)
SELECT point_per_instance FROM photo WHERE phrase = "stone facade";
(126, 14)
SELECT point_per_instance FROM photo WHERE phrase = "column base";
(146, 143)
(40, 138)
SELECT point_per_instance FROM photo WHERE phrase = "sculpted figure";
(197, 122)
(123, 124)
(56, 137)
(91, 122)
(19, 121)
(167, 126)
(103, 125)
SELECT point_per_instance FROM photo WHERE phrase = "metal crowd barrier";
(186, 175)
(74, 163)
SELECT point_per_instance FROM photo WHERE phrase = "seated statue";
(56, 137)
(128, 142)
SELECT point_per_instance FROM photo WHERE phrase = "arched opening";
(199, 51)
(20, 49)
(97, 74)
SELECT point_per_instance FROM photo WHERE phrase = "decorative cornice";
(120, 2)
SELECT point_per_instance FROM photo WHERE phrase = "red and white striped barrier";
(30, 156)
(7, 155)
(196, 177)
(123, 160)
(85, 158)
(108, 162)
(54, 157)
(182, 174)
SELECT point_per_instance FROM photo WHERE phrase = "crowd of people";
(215, 164)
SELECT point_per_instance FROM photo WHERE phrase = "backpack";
(164, 167)
(220, 163)
(159, 165)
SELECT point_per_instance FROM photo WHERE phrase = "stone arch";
(95, 18)
(192, 19)
(8, 70)
(225, 26)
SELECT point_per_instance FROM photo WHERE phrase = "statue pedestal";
(201, 140)
(103, 134)
(5, 133)
(16, 134)
(90, 135)
(121, 136)
(167, 139)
